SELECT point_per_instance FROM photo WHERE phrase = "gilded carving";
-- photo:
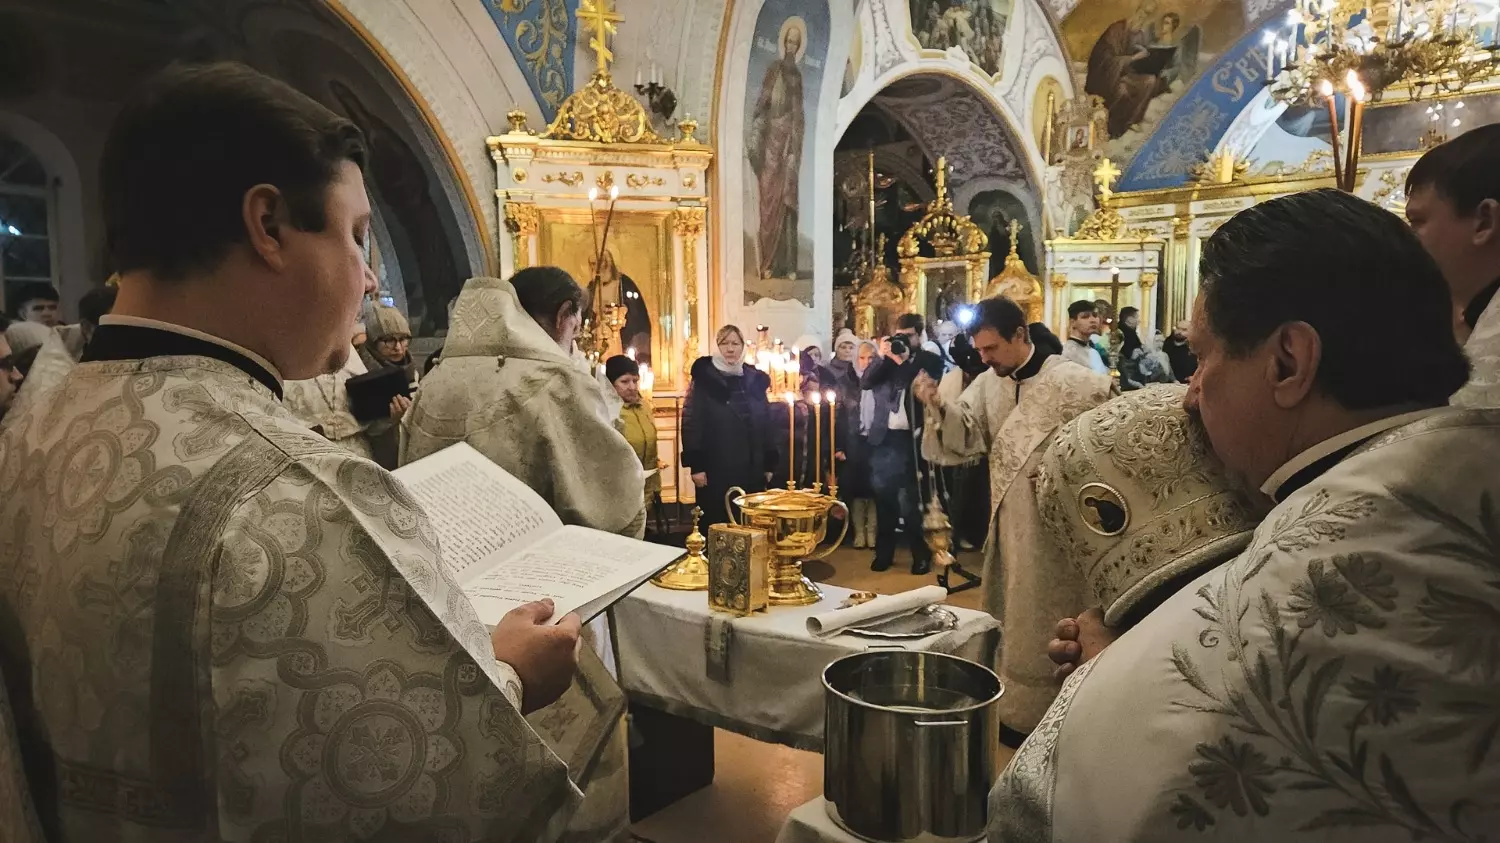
(519, 175)
(602, 113)
(688, 223)
(639, 181)
(690, 180)
(569, 179)
(522, 221)
(604, 181)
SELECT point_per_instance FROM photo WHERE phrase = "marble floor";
(756, 784)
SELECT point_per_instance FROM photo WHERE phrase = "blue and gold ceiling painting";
(540, 34)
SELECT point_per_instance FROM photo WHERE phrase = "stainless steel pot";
(909, 746)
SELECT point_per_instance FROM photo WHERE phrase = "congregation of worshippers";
(1242, 575)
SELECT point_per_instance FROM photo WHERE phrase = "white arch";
(69, 234)
(790, 318)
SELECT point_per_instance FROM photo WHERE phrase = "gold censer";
(796, 520)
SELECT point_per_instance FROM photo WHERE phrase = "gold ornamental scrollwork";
(570, 179)
(1105, 223)
(604, 181)
(1148, 279)
(523, 221)
(639, 181)
(689, 224)
(602, 113)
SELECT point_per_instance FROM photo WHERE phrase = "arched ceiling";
(948, 118)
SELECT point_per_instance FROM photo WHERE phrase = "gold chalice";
(797, 522)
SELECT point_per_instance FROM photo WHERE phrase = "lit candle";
(648, 381)
(817, 404)
(638, 76)
(1269, 42)
(833, 468)
(1356, 128)
(791, 440)
(1325, 88)
(630, 352)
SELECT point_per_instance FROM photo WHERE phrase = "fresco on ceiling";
(975, 26)
(540, 34)
(856, 57)
(1141, 56)
(1201, 115)
(790, 47)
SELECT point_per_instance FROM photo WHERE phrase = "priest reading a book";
(210, 611)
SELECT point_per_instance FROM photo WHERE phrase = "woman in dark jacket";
(726, 439)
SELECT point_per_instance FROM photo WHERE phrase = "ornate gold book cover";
(739, 561)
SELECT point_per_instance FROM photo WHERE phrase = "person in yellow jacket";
(635, 421)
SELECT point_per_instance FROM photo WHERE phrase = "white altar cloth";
(810, 823)
(775, 688)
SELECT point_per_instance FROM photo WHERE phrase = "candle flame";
(815, 397)
(630, 352)
(614, 192)
(831, 396)
(593, 194)
(791, 398)
(1325, 88)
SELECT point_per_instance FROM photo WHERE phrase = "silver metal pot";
(909, 746)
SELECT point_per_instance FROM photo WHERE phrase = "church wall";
(461, 73)
(734, 182)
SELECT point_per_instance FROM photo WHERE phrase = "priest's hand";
(1076, 640)
(926, 389)
(544, 655)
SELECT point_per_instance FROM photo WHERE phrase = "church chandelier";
(1360, 50)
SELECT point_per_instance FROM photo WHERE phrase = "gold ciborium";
(690, 573)
(797, 522)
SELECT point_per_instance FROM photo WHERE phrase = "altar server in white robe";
(1453, 204)
(1335, 682)
(1010, 413)
(509, 387)
(322, 403)
(217, 624)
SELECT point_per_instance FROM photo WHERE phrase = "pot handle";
(729, 495)
(940, 722)
(838, 542)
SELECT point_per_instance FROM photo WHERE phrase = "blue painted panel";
(1200, 118)
(541, 35)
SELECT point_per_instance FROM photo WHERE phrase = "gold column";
(1148, 301)
(523, 222)
(1178, 264)
(688, 222)
(1059, 282)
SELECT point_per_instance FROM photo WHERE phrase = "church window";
(26, 218)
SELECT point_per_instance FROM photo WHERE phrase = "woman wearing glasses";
(389, 345)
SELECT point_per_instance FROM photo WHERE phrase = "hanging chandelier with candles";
(1361, 49)
(1425, 46)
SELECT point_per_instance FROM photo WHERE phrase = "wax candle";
(791, 440)
(833, 469)
(817, 420)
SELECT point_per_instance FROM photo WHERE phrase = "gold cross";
(1104, 176)
(942, 177)
(1015, 235)
(599, 17)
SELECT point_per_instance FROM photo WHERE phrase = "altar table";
(767, 681)
(810, 823)
(774, 690)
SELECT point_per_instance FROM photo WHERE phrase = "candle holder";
(796, 520)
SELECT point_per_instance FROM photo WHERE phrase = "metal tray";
(929, 620)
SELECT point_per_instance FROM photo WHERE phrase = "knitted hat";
(619, 366)
(388, 322)
(1131, 491)
(846, 336)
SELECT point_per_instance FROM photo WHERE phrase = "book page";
(479, 511)
(574, 566)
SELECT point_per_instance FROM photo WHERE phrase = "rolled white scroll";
(882, 607)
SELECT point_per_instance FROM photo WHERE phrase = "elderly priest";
(1337, 680)
(218, 625)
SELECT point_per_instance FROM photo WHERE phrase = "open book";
(505, 546)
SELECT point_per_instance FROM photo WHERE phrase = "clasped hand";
(926, 389)
(1077, 640)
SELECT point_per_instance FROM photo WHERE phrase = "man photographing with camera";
(896, 421)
